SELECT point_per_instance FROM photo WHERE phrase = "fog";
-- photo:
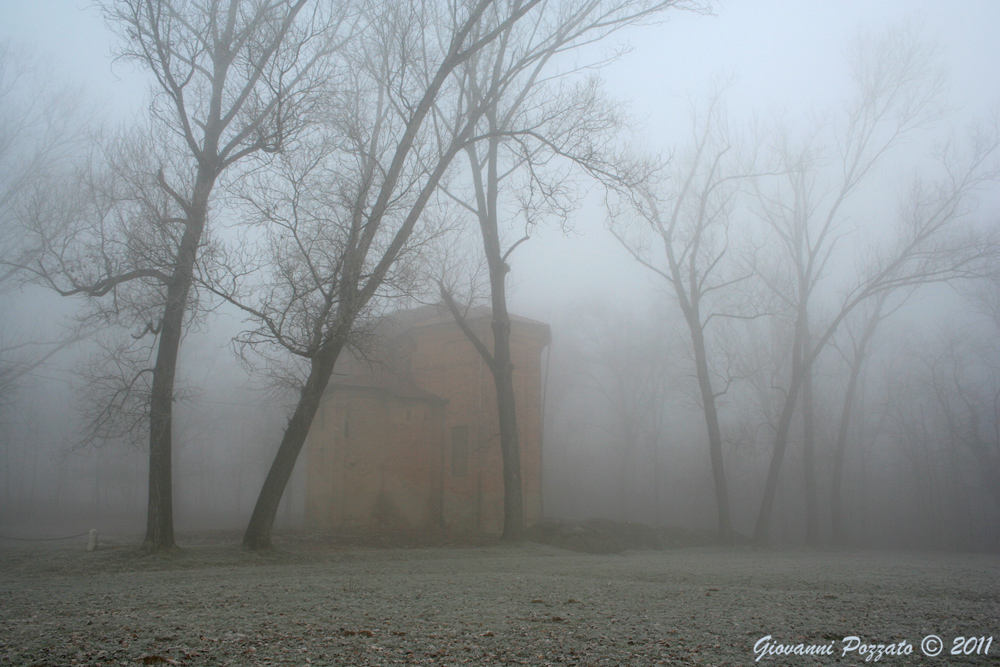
(915, 464)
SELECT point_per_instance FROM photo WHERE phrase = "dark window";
(459, 451)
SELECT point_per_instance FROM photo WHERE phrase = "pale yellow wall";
(387, 461)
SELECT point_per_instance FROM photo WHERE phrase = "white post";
(92, 540)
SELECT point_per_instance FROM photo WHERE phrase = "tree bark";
(160, 513)
(840, 454)
(499, 361)
(714, 431)
(353, 294)
(258, 532)
(778, 455)
(502, 369)
(503, 379)
(836, 485)
(801, 363)
(809, 459)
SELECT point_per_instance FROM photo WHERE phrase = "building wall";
(443, 361)
(446, 471)
(374, 460)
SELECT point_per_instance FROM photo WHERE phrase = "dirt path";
(533, 605)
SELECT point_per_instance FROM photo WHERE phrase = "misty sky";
(787, 56)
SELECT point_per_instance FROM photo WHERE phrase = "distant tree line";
(777, 247)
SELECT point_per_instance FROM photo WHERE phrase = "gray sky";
(782, 50)
(72, 36)
(785, 54)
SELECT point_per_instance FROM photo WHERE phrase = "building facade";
(409, 439)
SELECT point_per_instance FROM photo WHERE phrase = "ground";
(316, 602)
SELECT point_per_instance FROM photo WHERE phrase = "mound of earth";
(604, 536)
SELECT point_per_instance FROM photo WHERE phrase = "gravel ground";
(215, 604)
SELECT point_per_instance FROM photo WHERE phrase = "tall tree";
(538, 123)
(232, 81)
(691, 251)
(855, 355)
(943, 401)
(347, 215)
(897, 92)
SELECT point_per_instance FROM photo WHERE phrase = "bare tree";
(944, 419)
(897, 92)
(855, 354)
(688, 245)
(983, 403)
(232, 80)
(628, 368)
(347, 215)
(537, 127)
(43, 128)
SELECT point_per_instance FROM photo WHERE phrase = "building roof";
(359, 374)
(403, 321)
(383, 383)
(475, 313)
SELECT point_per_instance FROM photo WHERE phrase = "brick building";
(410, 439)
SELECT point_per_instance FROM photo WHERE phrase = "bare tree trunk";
(683, 235)
(802, 359)
(657, 515)
(836, 507)
(502, 369)
(258, 532)
(520, 59)
(809, 459)
(778, 455)
(503, 378)
(499, 360)
(860, 351)
(160, 512)
(885, 113)
(711, 413)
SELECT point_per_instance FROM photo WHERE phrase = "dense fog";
(766, 238)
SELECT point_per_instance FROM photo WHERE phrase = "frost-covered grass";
(215, 604)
